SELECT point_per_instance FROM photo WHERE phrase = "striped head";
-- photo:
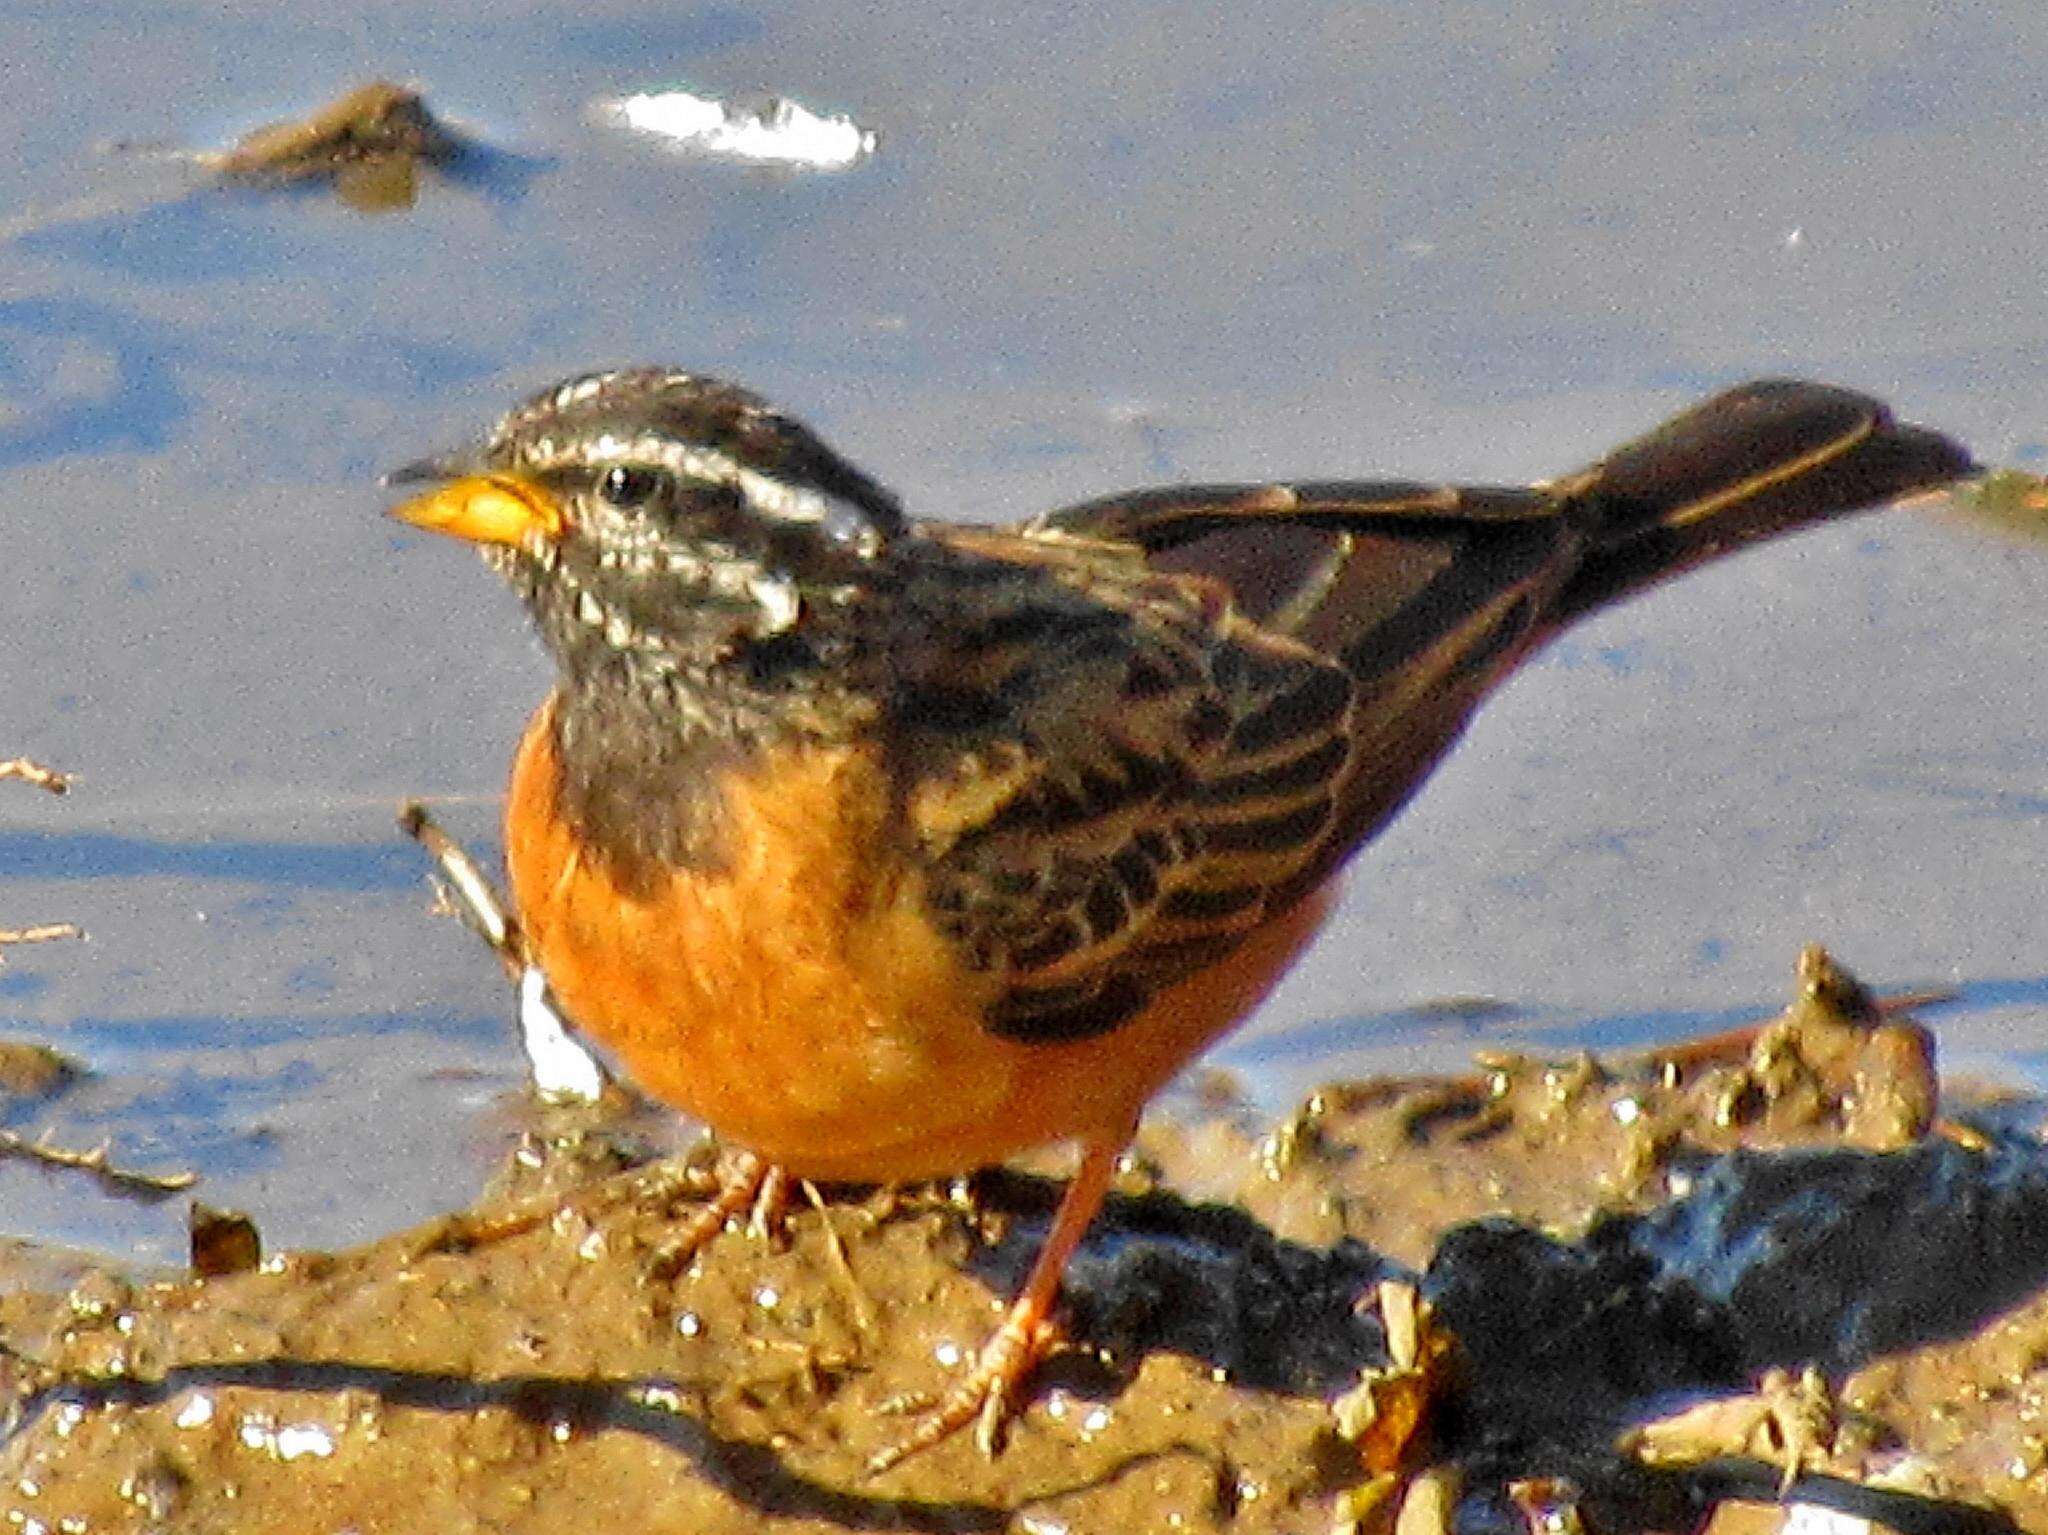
(662, 521)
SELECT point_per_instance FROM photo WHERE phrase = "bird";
(890, 847)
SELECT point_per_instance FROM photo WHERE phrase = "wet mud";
(1697, 1289)
(372, 125)
(372, 146)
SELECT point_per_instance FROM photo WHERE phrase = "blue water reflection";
(56, 855)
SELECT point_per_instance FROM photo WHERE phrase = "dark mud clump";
(370, 144)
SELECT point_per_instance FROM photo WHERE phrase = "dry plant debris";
(26, 770)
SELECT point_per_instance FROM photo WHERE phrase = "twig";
(30, 772)
(863, 1313)
(468, 889)
(41, 933)
(563, 1070)
(118, 1180)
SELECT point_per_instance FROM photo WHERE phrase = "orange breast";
(800, 1002)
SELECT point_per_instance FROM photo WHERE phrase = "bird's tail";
(1760, 459)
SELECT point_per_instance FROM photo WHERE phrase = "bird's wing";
(1142, 731)
(1424, 595)
(1196, 702)
(1334, 564)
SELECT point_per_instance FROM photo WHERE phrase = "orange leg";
(987, 1395)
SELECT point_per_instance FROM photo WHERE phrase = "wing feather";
(1151, 736)
(1154, 766)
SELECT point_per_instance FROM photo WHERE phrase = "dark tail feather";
(1758, 460)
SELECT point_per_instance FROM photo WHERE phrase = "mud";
(370, 144)
(1698, 1286)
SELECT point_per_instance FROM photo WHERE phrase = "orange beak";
(482, 508)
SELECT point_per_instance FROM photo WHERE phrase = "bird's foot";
(743, 1181)
(988, 1396)
(659, 1184)
(746, 1183)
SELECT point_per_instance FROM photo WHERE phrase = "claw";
(658, 1183)
(987, 1396)
(769, 1220)
(748, 1182)
(990, 1395)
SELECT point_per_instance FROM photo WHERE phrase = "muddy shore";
(1663, 1293)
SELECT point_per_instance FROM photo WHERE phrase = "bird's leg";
(987, 1395)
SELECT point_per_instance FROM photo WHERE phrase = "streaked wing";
(1108, 769)
(1156, 734)
(1175, 711)
(1324, 562)
(1425, 595)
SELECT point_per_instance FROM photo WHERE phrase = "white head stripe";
(690, 461)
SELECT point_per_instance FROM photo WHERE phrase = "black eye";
(629, 485)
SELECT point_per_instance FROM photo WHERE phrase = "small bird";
(891, 848)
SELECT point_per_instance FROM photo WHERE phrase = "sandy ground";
(1651, 1293)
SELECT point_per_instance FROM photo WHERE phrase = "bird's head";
(663, 520)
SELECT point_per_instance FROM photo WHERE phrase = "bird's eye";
(632, 485)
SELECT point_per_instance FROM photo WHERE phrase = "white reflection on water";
(777, 132)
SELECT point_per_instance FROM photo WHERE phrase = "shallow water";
(1088, 253)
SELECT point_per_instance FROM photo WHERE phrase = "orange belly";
(800, 1003)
